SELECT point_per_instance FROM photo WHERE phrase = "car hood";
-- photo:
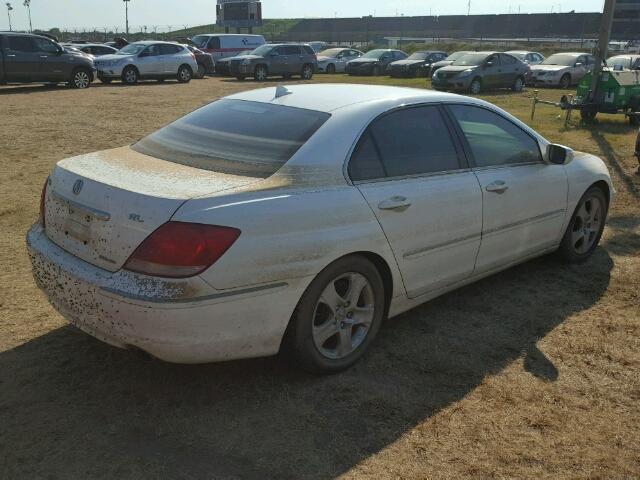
(111, 57)
(408, 62)
(247, 57)
(456, 68)
(442, 63)
(548, 68)
(365, 60)
(322, 58)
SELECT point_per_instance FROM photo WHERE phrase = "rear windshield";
(235, 137)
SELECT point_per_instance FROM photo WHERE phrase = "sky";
(98, 14)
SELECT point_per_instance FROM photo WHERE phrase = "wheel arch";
(604, 186)
(186, 65)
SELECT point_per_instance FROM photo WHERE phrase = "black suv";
(26, 58)
(285, 59)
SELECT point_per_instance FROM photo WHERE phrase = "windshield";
(471, 59)
(418, 56)
(560, 59)
(132, 49)
(332, 52)
(262, 50)
(235, 137)
(200, 40)
(374, 54)
(620, 60)
(455, 56)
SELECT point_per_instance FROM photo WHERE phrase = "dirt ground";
(531, 373)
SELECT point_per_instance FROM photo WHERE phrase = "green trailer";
(618, 91)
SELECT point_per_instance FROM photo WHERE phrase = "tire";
(331, 69)
(565, 81)
(202, 70)
(518, 85)
(106, 81)
(324, 336)
(588, 116)
(634, 120)
(241, 78)
(261, 73)
(586, 226)
(375, 71)
(185, 74)
(130, 76)
(307, 72)
(80, 79)
(476, 86)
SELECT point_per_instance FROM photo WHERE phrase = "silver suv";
(286, 60)
(148, 60)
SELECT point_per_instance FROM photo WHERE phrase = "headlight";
(466, 72)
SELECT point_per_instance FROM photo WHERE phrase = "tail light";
(181, 250)
(43, 196)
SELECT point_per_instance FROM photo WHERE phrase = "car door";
(278, 61)
(54, 64)
(524, 199)
(492, 71)
(429, 204)
(149, 62)
(21, 58)
(295, 58)
(171, 60)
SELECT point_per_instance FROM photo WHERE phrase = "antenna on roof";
(282, 91)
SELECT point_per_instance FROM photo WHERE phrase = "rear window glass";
(236, 137)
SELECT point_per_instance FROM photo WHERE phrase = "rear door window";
(291, 50)
(21, 44)
(169, 49)
(235, 137)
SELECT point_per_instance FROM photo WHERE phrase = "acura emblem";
(77, 187)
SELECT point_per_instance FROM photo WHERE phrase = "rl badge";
(77, 187)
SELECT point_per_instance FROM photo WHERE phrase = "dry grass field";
(531, 373)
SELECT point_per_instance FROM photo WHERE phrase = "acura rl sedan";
(562, 69)
(298, 219)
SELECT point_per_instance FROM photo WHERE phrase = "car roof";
(329, 97)
(572, 54)
(151, 42)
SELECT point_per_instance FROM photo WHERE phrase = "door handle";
(44, 56)
(497, 187)
(395, 203)
(11, 55)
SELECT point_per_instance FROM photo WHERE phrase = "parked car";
(26, 58)
(479, 71)
(334, 60)
(418, 64)
(285, 59)
(374, 62)
(318, 46)
(447, 61)
(530, 58)
(222, 66)
(97, 49)
(204, 60)
(562, 69)
(253, 224)
(223, 45)
(150, 60)
(628, 62)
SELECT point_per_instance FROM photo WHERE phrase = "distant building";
(626, 20)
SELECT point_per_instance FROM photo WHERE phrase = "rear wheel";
(260, 73)
(337, 317)
(307, 72)
(202, 70)
(130, 76)
(586, 226)
(588, 116)
(476, 86)
(80, 78)
(565, 81)
(376, 71)
(185, 74)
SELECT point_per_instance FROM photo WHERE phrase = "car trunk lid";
(102, 205)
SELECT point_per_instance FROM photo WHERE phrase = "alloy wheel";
(343, 315)
(307, 72)
(475, 87)
(81, 79)
(586, 224)
(261, 74)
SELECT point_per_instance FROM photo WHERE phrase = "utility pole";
(126, 11)
(603, 45)
(469, 8)
(27, 3)
(9, 8)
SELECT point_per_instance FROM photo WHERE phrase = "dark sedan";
(417, 65)
(374, 62)
(447, 61)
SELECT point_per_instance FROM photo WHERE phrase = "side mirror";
(559, 154)
(60, 50)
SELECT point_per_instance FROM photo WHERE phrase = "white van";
(225, 45)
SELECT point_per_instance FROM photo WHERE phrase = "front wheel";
(476, 86)
(565, 81)
(376, 71)
(130, 76)
(184, 74)
(337, 317)
(202, 70)
(586, 227)
(331, 69)
(81, 78)
(307, 72)
(518, 85)
(260, 73)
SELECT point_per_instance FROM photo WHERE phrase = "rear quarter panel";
(289, 233)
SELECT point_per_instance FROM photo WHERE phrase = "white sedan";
(297, 219)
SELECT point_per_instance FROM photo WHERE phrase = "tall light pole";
(27, 3)
(126, 10)
(9, 8)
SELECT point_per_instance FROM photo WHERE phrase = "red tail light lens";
(43, 196)
(181, 250)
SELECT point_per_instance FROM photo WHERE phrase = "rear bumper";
(176, 321)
